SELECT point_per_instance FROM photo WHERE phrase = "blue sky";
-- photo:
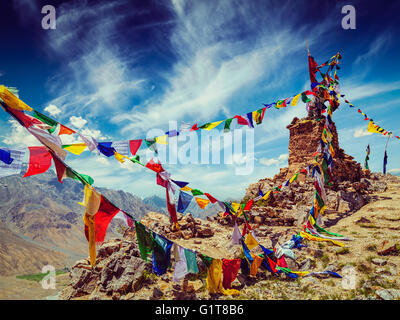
(117, 69)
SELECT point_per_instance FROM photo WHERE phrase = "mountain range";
(41, 221)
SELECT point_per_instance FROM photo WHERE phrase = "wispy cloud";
(275, 161)
(377, 46)
(215, 64)
(361, 132)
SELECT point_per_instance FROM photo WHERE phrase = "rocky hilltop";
(361, 205)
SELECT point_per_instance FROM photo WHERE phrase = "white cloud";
(77, 122)
(19, 136)
(395, 170)
(274, 161)
(361, 132)
(52, 109)
(93, 133)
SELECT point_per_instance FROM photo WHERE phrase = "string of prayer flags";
(39, 161)
(184, 201)
(15, 166)
(202, 202)
(13, 101)
(45, 119)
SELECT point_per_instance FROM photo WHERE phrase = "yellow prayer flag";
(265, 196)
(212, 125)
(250, 241)
(295, 100)
(76, 148)
(235, 206)
(161, 139)
(186, 188)
(92, 200)
(214, 279)
(202, 202)
(120, 157)
(13, 101)
(255, 265)
(372, 127)
(89, 222)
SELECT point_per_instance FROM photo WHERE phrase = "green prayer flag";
(197, 192)
(305, 98)
(206, 260)
(228, 125)
(45, 119)
(145, 240)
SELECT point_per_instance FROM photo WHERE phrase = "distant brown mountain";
(40, 220)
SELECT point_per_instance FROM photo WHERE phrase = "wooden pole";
(307, 47)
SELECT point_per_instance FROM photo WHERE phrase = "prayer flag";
(227, 124)
(209, 126)
(161, 139)
(184, 201)
(230, 269)
(202, 202)
(106, 149)
(12, 101)
(134, 145)
(197, 192)
(161, 254)
(156, 167)
(102, 219)
(210, 197)
(39, 161)
(76, 148)
(5, 156)
(180, 184)
(65, 130)
(122, 147)
(15, 166)
(385, 157)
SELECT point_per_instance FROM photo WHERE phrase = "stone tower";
(303, 142)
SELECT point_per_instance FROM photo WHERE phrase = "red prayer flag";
(65, 130)
(312, 68)
(102, 219)
(39, 161)
(171, 208)
(248, 205)
(210, 197)
(134, 145)
(60, 168)
(194, 128)
(154, 166)
(241, 120)
(230, 270)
